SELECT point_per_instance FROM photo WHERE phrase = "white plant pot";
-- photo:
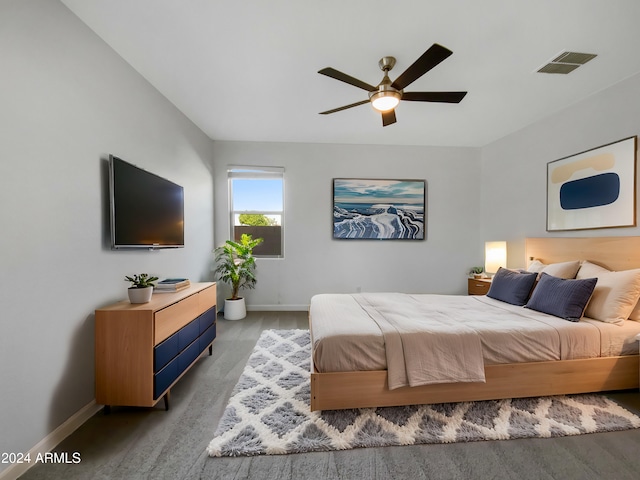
(234, 309)
(140, 295)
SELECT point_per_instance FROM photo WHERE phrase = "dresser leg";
(166, 401)
(107, 409)
(210, 349)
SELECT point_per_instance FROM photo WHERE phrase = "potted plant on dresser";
(141, 287)
(236, 266)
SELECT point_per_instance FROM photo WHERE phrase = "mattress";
(345, 337)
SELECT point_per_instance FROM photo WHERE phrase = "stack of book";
(172, 284)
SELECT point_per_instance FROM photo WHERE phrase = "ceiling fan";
(387, 94)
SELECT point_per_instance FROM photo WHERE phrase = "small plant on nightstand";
(476, 272)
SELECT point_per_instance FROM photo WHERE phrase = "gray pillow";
(564, 298)
(512, 286)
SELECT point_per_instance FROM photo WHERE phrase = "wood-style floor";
(143, 443)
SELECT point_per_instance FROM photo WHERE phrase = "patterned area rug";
(269, 413)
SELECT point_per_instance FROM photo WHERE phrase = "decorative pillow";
(615, 295)
(561, 297)
(560, 270)
(589, 270)
(536, 266)
(511, 286)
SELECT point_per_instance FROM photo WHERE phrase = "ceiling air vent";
(566, 62)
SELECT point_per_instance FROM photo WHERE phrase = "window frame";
(256, 173)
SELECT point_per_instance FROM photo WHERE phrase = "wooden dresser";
(141, 350)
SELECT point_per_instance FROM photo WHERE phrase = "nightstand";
(479, 286)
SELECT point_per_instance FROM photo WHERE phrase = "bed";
(523, 352)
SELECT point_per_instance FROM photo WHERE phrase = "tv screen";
(147, 211)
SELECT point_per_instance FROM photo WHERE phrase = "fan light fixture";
(387, 94)
(384, 101)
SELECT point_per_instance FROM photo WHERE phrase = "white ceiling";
(247, 69)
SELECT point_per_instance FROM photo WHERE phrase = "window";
(256, 199)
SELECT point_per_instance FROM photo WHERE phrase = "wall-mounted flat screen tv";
(147, 211)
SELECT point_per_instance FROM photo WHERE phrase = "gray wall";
(514, 169)
(67, 101)
(316, 263)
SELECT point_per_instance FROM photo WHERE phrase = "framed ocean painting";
(377, 209)
(593, 189)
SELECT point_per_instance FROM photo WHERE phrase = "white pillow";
(565, 270)
(590, 269)
(616, 293)
(536, 266)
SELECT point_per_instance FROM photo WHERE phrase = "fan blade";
(388, 118)
(343, 77)
(344, 108)
(445, 97)
(429, 59)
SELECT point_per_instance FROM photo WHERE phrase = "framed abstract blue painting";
(593, 189)
(377, 209)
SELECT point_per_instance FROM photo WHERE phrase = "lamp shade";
(495, 256)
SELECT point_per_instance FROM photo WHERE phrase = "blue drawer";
(165, 377)
(164, 352)
(188, 356)
(207, 337)
(207, 319)
(188, 334)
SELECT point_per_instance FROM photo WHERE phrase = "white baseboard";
(52, 440)
(277, 308)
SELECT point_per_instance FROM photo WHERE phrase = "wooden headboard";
(614, 253)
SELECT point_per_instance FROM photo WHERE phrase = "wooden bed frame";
(341, 390)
